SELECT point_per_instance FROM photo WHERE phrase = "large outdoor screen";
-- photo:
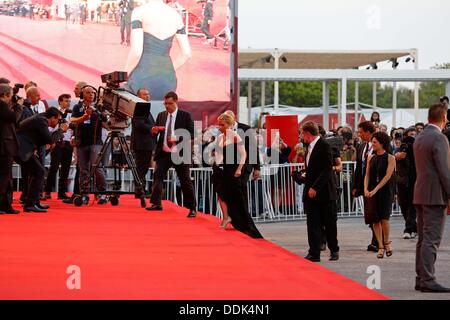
(164, 45)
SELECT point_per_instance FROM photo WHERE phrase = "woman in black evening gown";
(379, 189)
(230, 155)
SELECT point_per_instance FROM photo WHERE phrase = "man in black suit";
(365, 131)
(9, 146)
(176, 130)
(32, 134)
(319, 193)
(142, 141)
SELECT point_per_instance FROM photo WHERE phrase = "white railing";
(273, 197)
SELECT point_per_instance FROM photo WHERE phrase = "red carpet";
(126, 252)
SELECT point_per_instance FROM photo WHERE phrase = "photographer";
(406, 177)
(88, 134)
(33, 134)
(61, 154)
(9, 146)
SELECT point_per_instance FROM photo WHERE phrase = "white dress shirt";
(311, 148)
(38, 108)
(174, 118)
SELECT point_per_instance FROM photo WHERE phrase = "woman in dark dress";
(379, 190)
(149, 64)
(230, 155)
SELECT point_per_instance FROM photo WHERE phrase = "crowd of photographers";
(36, 135)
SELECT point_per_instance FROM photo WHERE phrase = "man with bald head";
(88, 133)
(76, 185)
(142, 141)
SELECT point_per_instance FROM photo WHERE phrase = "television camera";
(118, 106)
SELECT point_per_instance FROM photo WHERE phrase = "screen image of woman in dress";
(149, 65)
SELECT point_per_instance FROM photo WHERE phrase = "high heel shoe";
(388, 252)
(380, 253)
(225, 223)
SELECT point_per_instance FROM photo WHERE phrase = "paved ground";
(397, 271)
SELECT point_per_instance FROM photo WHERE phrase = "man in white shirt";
(62, 152)
(365, 131)
(165, 127)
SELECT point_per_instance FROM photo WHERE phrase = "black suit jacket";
(9, 145)
(141, 136)
(33, 133)
(247, 135)
(319, 174)
(358, 174)
(183, 121)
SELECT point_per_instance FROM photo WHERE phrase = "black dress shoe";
(312, 258)
(10, 211)
(42, 206)
(68, 200)
(192, 213)
(154, 207)
(372, 248)
(435, 288)
(33, 208)
(63, 196)
(334, 256)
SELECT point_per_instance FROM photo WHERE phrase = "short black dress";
(385, 196)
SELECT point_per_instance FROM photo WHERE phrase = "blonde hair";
(227, 118)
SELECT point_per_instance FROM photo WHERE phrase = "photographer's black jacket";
(319, 174)
(32, 134)
(9, 144)
(141, 136)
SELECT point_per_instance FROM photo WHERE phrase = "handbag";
(370, 209)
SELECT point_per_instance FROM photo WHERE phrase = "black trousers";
(205, 29)
(6, 163)
(321, 216)
(142, 158)
(405, 199)
(60, 155)
(163, 164)
(125, 27)
(36, 175)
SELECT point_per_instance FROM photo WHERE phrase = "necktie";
(169, 132)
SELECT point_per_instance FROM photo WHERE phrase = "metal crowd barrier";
(273, 197)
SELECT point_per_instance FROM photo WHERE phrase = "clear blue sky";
(348, 25)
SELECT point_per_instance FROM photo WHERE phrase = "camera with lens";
(16, 88)
(407, 146)
(119, 104)
(398, 135)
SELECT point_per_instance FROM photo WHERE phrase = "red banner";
(287, 126)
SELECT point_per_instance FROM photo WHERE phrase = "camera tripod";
(113, 195)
